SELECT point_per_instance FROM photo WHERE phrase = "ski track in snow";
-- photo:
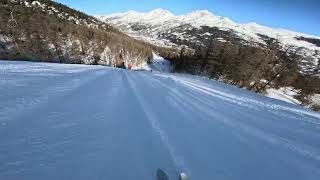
(93, 122)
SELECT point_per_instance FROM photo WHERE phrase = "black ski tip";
(161, 175)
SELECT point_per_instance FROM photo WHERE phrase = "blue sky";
(301, 16)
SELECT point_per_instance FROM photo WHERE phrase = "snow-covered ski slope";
(91, 122)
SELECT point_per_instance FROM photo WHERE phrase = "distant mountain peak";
(132, 12)
(161, 11)
(158, 15)
(201, 13)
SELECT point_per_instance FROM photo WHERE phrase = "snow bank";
(285, 94)
(158, 64)
(315, 99)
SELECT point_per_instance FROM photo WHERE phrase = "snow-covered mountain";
(162, 27)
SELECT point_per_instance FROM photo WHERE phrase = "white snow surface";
(158, 64)
(284, 93)
(316, 99)
(93, 122)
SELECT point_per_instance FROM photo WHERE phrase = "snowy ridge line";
(197, 17)
(155, 124)
(162, 20)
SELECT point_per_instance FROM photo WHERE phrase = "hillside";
(44, 30)
(200, 28)
(249, 56)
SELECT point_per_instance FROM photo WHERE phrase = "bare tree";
(273, 47)
(285, 63)
(13, 30)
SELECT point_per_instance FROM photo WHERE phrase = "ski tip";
(183, 176)
(161, 175)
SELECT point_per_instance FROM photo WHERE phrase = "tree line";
(250, 67)
(29, 33)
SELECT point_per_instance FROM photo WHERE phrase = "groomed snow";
(92, 122)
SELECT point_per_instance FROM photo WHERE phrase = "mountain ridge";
(161, 11)
(161, 27)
